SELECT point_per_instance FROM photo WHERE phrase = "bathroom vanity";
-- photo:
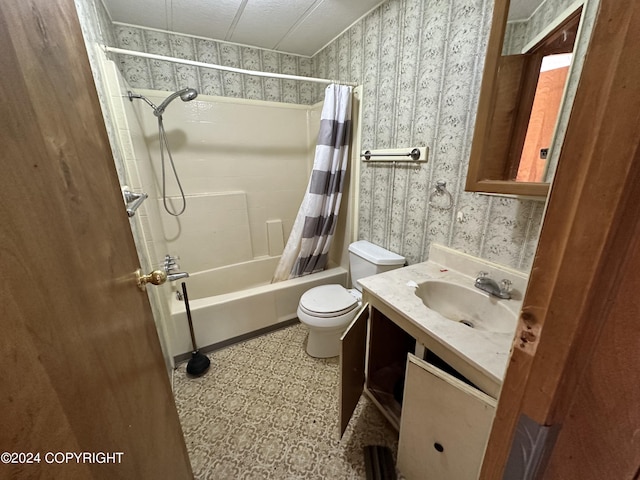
(434, 371)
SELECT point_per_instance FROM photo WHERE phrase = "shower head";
(186, 95)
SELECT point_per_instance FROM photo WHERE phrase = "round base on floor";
(198, 364)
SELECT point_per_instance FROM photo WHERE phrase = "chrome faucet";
(170, 267)
(486, 284)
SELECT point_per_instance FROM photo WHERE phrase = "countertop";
(487, 353)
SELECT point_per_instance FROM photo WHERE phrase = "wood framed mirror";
(521, 98)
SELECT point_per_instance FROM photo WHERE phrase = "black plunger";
(199, 363)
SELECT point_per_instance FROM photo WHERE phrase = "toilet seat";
(327, 301)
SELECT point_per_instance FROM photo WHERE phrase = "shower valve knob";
(171, 267)
(170, 263)
(157, 277)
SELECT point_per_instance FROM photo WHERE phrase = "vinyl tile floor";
(267, 410)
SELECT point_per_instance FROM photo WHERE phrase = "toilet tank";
(366, 259)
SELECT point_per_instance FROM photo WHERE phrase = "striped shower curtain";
(308, 246)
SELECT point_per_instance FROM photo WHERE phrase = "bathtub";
(235, 302)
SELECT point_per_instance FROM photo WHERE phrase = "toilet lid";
(328, 301)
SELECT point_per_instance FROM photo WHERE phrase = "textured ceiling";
(302, 27)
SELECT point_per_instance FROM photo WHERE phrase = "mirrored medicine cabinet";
(521, 97)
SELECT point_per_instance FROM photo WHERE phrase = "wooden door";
(575, 356)
(82, 367)
(599, 435)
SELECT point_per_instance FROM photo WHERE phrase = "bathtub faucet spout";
(177, 276)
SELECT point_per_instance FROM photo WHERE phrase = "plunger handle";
(186, 304)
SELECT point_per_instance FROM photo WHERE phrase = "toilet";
(328, 310)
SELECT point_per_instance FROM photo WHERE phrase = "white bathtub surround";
(232, 147)
(213, 232)
(307, 249)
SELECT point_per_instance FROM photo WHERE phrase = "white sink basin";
(467, 305)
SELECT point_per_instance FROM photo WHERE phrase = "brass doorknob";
(157, 277)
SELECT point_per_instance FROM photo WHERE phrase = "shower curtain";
(307, 249)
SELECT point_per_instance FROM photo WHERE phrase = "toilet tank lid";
(375, 254)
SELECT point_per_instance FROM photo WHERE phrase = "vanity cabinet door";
(444, 427)
(353, 346)
(387, 364)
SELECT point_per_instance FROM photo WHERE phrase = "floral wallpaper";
(420, 64)
(159, 75)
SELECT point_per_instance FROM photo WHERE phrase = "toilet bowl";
(327, 310)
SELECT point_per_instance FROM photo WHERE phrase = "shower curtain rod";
(194, 63)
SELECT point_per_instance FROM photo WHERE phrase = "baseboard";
(240, 338)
